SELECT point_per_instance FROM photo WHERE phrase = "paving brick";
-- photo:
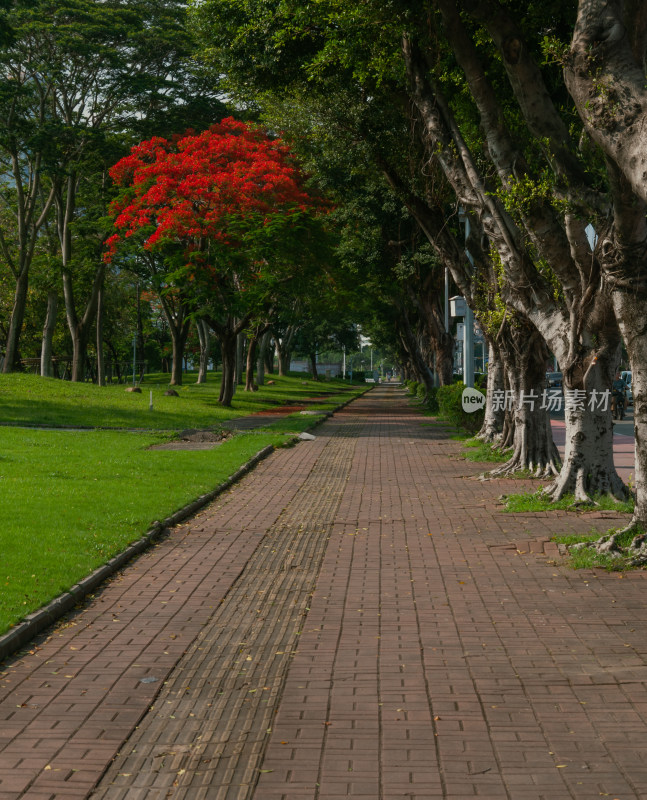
(356, 618)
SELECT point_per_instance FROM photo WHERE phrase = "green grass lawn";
(32, 400)
(71, 500)
(476, 450)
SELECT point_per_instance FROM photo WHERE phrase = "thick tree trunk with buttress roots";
(525, 355)
(588, 467)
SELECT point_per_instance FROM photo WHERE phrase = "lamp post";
(468, 341)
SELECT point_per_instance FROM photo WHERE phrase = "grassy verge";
(476, 450)
(587, 558)
(31, 400)
(75, 499)
(536, 501)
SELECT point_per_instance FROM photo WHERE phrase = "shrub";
(428, 397)
(450, 406)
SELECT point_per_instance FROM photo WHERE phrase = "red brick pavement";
(435, 661)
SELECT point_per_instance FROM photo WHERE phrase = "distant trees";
(79, 80)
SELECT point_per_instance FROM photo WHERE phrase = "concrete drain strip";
(208, 729)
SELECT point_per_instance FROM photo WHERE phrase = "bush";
(432, 400)
(420, 392)
(450, 406)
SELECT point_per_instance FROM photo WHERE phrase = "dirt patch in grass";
(192, 439)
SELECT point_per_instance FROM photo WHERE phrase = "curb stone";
(41, 619)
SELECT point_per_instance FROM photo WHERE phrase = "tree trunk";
(176, 317)
(249, 366)
(240, 357)
(228, 382)
(588, 467)
(100, 360)
(313, 366)
(80, 328)
(11, 358)
(269, 355)
(284, 348)
(525, 355)
(178, 341)
(284, 362)
(261, 364)
(48, 334)
(630, 313)
(444, 351)
(417, 361)
(204, 335)
(79, 355)
(492, 428)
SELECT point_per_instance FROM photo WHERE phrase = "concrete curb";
(38, 621)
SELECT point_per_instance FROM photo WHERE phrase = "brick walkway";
(356, 618)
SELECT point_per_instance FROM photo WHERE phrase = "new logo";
(473, 400)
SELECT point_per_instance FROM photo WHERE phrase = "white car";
(626, 377)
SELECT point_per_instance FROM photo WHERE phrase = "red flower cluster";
(201, 187)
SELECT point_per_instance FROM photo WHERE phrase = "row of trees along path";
(528, 122)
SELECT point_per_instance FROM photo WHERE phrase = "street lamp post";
(468, 333)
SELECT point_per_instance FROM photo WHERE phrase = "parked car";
(554, 380)
(626, 377)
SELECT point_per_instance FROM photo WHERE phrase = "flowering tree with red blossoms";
(213, 217)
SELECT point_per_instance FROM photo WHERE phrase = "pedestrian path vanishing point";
(356, 618)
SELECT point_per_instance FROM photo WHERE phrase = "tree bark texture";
(261, 360)
(252, 347)
(284, 348)
(228, 383)
(525, 356)
(313, 366)
(101, 369)
(227, 332)
(46, 370)
(605, 75)
(11, 358)
(240, 357)
(492, 428)
(204, 337)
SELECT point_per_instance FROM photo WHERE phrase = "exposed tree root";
(490, 436)
(635, 554)
(544, 468)
(584, 485)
